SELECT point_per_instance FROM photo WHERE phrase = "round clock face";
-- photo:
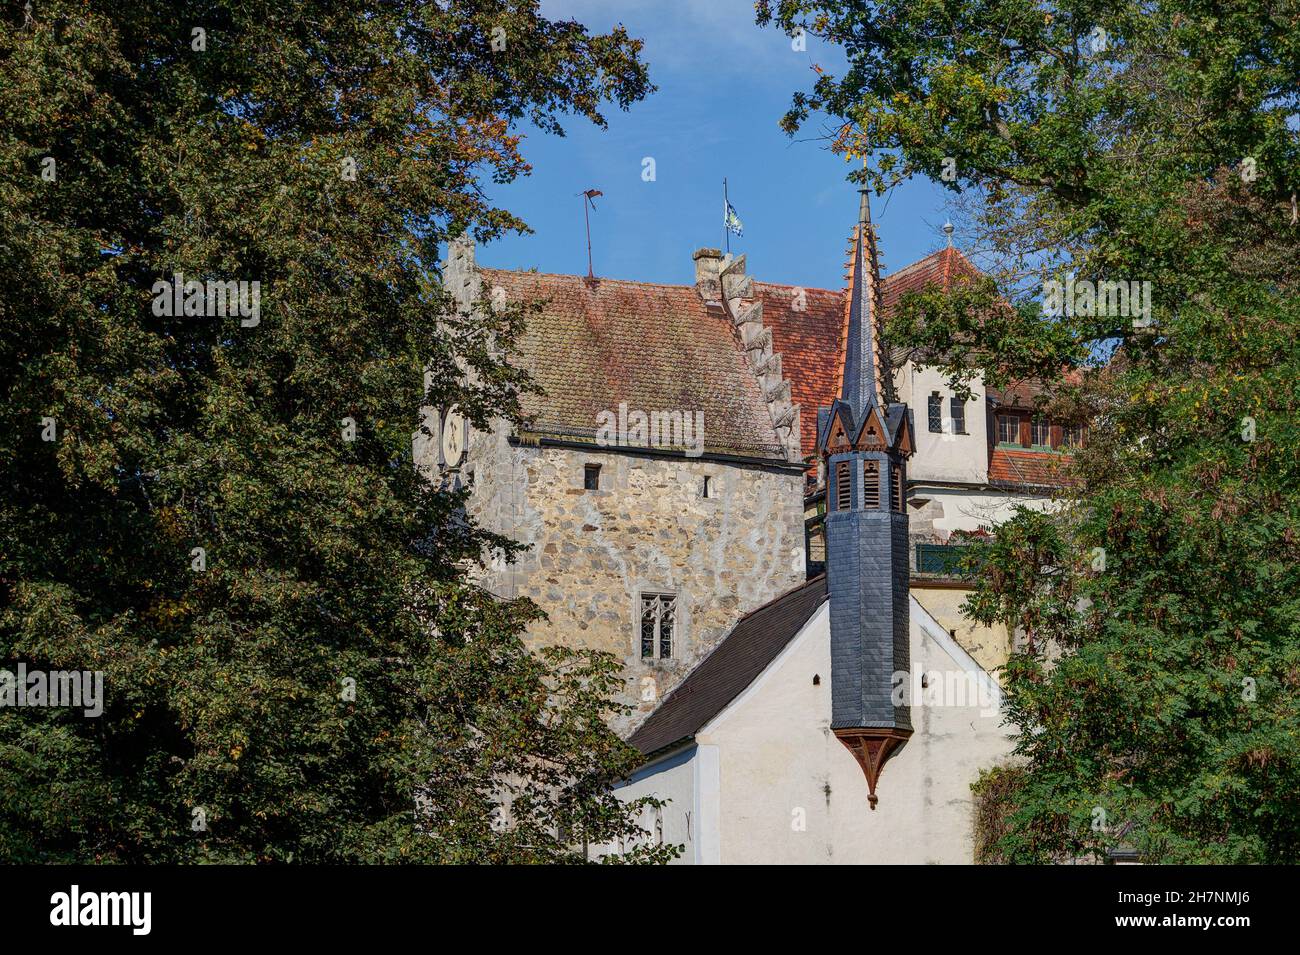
(453, 437)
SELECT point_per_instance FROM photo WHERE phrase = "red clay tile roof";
(939, 268)
(808, 340)
(1028, 468)
(1020, 394)
(655, 347)
(659, 349)
(1024, 394)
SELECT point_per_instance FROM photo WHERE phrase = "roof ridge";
(846, 310)
(885, 278)
(913, 266)
(806, 288)
(583, 279)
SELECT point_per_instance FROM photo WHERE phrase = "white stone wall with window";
(951, 433)
(949, 487)
(765, 781)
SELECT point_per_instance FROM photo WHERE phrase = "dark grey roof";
(735, 663)
(894, 419)
(858, 386)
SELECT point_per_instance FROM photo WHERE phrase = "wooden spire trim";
(872, 748)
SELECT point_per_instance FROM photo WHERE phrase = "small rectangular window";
(843, 490)
(871, 485)
(591, 477)
(1040, 431)
(958, 415)
(704, 490)
(1071, 436)
(658, 618)
(936, 413)
(1008, 429)
(896, 489)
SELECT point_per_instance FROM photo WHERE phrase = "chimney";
(708, 274)
(863, 442)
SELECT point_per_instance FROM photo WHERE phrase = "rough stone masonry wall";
(648, 528)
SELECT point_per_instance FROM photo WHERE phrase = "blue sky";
(723, 86)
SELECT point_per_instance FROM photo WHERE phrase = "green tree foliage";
(1156, 141)
(319, 682)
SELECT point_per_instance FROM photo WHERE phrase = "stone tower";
(863, 442)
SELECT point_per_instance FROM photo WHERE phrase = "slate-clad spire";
(862, 379)
(864, 442)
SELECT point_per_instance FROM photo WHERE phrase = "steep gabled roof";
(864, 371)
(659, 348)
(940, 268)
(757, 639)
(656, 347)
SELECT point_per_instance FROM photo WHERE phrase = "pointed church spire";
(864, 439)
(863, 379)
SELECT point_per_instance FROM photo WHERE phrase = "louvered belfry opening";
(871, 484)
(867, 435)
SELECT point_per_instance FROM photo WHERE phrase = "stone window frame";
(661, 596)
(591, 476)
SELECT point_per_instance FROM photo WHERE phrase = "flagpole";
(726, 211)
(586, 217)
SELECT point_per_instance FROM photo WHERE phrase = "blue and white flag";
(730, 220)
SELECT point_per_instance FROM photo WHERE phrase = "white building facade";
(766, 781)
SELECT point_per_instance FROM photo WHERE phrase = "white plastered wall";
(790, 792)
